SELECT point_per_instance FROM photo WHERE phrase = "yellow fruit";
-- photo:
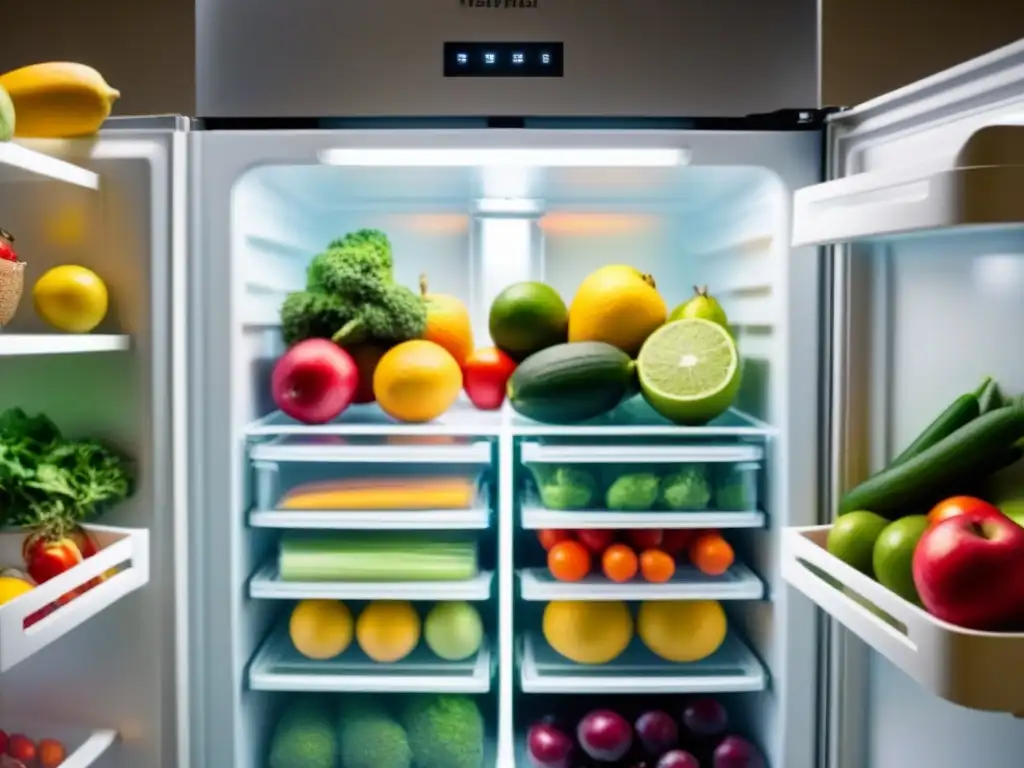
(388, 630)
(588, 632)
(71, 298)
(682, 630)
(417, 381)
(11, 587)
(320, 629)
(448, 323)
(58, 99)
(618, 305)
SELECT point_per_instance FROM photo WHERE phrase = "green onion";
(376, 558)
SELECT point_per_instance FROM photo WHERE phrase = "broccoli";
(307, 315)
(687, 489)
(304, 737)
(565, 487)
(445, 731)
(350, 256)
(732, 492)
(635, 492)
(370, 738)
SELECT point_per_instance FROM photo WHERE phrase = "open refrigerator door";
(926, 223)
(415, 566)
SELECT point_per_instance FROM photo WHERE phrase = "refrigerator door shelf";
(636, 419)
(21, 344)
(267, 584)
(277, 666)
(738, 583)
(125, 550)
(84, 747)
(979, 670)
(535, 517)
(976, 184)
(732, 669)
(20, 163)
(409, 450)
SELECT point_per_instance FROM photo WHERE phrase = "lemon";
(618, 305)
(11, 587)
(320, 629)
(682, 630)
(588, 632)
(388, 631)
(71, 298)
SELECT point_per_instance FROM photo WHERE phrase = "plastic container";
(738, 583)
(640, 478)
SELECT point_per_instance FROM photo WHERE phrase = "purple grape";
(604, 735)
(657, 732)
(737, 752)
(705, 717)
(677, 758)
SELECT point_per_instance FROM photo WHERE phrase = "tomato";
(7, 246)
(21, 747)
(619, 563)
(85, 541)
(597, 541)
(548, 538)
(712, 554)
(959, 505)
(485, 375)
(646, 538)
(47, 558)
(676, 541)
(657, 566)
(569, 561)
(51, 753)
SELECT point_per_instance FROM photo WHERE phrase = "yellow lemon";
(618, 305)
(71, 298)
(588, 632)
(320, 629)
(682, 630)
(11, 587)
(388, 630)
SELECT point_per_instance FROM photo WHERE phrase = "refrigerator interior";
(473, 228)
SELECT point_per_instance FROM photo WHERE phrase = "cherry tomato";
(619, 563)
(549, 537)
(485, 375)
(960, 505)
(569, 561)
(676, 540)
(21, 747)
(657, 566)
(712, 554)
(51, 753)
(7, 246)
(49, 558)
(645, 538)
(597, 540)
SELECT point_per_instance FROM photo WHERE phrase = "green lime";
(893, 555)
(526, 318)
(689, 371)
(852, 539)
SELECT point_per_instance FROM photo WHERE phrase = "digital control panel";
(503, 60)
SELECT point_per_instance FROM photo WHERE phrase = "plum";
(737, 752)
(548, 747)
(705, 717)
(657, 732)
(605, 735)
(677, 758)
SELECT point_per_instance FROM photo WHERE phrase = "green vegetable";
(636, 492)
(735, 489)
(687, 489)
(564, 488)
(305, 737)
(569, 383)
(50, 483)
(445, 731)
(371, 738)
(960, 412)
(990, 396)
(376, 557)
(351, 296)
(971, 452)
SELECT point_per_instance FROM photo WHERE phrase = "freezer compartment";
(44, 614)
(81, 747)
(641, 476)
(980, 670)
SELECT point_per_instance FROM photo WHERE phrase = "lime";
(689, 371)
(893, 555)
(852, 539)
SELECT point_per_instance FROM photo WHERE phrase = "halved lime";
(689, 371)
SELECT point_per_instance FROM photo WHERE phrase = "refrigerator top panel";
(500, 58)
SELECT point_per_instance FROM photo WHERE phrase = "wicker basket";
(12, 281)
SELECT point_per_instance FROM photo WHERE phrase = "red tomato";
(21, 747)
(51, 753)
(548, 538)
(7, 246)
(677, 540)
(959, 505)
(47, 558)
(85, 541)
(485, 375)
(597, 541)
(645, 538)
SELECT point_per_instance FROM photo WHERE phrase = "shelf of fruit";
(651, 738)
(938, 594)
(30, 745)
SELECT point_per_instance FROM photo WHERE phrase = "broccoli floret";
(370, 738)
(329, 270)
(304, 738)
(634, 492)
(382, 312)
(732, 492)
(445, 732)
(566, 488)
(308, 315)
(686, 490)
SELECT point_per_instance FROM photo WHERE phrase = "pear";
(702, 306)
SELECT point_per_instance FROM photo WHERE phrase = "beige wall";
(870, 46)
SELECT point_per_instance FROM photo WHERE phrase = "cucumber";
(960, 412)
(990, 397)
(962, 456)
(569, 383)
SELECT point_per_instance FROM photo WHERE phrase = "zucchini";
(570, 383)
(959, 457)
(990, 397)
(960, 413)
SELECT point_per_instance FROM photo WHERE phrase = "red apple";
(958, 505)
(314, 381)
(969, 571)
(597, 541)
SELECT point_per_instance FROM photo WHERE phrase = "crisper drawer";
(631, 477)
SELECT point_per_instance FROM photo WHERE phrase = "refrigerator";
(868, 258)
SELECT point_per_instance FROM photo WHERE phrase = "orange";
(619, 563)
(448, 323)
(417, 381)
(588, 631)
(711, 554)
(618, 305)
(682, 631)
(569, 561)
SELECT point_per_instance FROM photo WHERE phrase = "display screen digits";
(503, 60)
